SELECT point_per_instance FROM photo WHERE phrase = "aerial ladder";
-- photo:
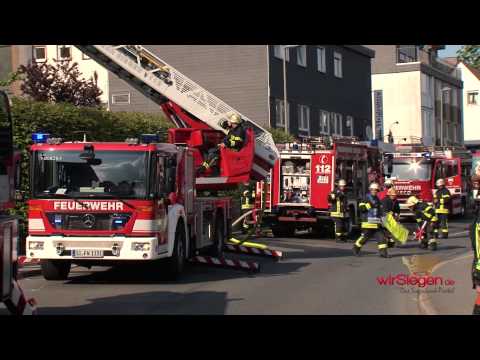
(197, 113)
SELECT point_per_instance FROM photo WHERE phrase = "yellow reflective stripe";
(477, 243)
(432, 241)
(358, 243)
(446, 196)
(368, 206)
(434, 219)
(382, 246)
(445, 230)
(366, 225)
(427, 208)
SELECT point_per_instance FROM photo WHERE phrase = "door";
(159, 202)
(322, 179)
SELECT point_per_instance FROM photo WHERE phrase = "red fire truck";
(295, 196)
(104, 203)
(10, 292)
(415, 168)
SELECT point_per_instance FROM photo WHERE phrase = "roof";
(362, 50)
(473, 70)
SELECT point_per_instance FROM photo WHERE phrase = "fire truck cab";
(415, 169)
(295, 196)
(103, 203)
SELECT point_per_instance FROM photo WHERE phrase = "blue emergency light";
(149, 138)
(40, 138)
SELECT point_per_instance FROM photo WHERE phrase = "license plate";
(85, 253)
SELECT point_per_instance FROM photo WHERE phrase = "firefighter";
(339, 211)
(387, 186)
(390, 204)
(234, 140)
(248, 203)
(426, 219)
(441, 200)
(371, 209)
(475, 238)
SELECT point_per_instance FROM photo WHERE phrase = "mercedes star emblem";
(88, 220)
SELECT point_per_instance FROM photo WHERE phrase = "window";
(454, 97)
(472, 98)
(121, 99)
(321, 65)
(331, 127)
(337, 64)
(455, 134)
(349, 126)
(302, 55)
(303, 118)
(39, 53)
(279, 50)
(280, 113)
(64, 52)
(324, 122)
(427, 90)
(337, 124)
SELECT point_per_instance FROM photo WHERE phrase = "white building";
(471, 102)
(51, 54)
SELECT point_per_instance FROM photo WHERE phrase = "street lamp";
(445, 89)
(287, 120)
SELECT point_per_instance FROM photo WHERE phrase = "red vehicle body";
(416, 168)
(9, 165)
(312, 168)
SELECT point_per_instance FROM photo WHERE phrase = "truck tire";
(176, 263)
(55, 269)
(351, 222)
(282, 231)
(216, 250)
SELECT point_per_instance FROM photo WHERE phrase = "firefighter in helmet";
(441, 200)
(390, 204)
(234, 140)
(387, 185)
(475, 238)
(426, 219)
(248, 203)
(372, 211)
(339, 211)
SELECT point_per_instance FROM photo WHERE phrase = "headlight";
(35, 245)
(140, 246)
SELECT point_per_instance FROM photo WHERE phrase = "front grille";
(88, 221)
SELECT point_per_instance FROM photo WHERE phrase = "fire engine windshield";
(121, 173)
(415, 169)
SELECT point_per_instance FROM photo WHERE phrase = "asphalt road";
(317, 276)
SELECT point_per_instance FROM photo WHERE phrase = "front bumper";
(106, 244)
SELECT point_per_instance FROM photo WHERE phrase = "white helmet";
(440, 182)
(235, 118)
(388, 182)
(374, 186)
(342, 182)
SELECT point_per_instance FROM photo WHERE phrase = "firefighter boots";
(356, 250)
(383, 253)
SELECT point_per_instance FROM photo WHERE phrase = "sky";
(450, 50)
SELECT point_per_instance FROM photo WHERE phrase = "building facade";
(414, 93)
(328, 86)
(471, 102)
(23, 54)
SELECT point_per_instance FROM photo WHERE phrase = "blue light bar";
(119, 221)
(149, 138)
(40, 138)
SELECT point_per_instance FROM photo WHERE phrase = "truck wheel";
(351, 222)
(176, 263)
(216, 249)
(283, 231)
(55, 269)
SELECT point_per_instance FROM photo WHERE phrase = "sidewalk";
(461, 300)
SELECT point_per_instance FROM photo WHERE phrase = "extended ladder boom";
(161, 82)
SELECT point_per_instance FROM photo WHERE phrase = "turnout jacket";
(390, 205)
(372, 211)
(424, 212)
(235, 138)
(338, 204)
(441, 200)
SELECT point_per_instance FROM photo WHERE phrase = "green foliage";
(280, 136)
(12, 77)
(68, 122)
(470, 54)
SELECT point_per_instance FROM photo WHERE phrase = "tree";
(59, 84)
(470, 54)
(12, 77)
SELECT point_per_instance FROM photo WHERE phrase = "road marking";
(459, 233)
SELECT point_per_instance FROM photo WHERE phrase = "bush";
(280, 136)
(68, 121)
